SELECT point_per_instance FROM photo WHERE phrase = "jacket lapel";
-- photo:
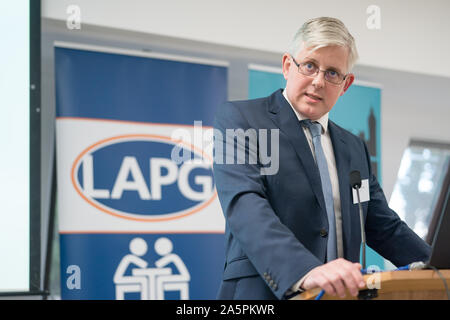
(281, 113)
(343, 165)
(284, 117)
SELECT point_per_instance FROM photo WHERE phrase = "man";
(297, 228)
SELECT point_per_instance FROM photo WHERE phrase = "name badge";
(364, 194)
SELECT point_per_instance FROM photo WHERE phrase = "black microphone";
(355, 182)
(355, 179)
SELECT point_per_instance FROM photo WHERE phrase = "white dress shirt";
(332, 169)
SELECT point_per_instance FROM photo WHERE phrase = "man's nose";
(319, 80)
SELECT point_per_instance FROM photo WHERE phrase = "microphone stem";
(363, 232)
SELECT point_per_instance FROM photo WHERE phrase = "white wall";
(414, 34)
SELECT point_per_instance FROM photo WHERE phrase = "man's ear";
(286, 64)
(348, 82)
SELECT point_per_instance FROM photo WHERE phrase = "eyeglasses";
(310, 69)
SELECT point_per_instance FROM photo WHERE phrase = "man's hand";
(336, 276)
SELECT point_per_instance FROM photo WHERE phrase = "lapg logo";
(134, 177)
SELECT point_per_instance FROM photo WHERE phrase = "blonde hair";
(323, 32)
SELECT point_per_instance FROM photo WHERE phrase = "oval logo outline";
(129, 216)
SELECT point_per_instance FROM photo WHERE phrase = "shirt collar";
(322, 120)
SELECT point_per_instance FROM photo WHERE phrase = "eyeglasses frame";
(317, 72)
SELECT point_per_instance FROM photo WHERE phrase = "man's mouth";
(313, 96)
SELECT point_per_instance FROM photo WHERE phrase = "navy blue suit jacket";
(276, 224)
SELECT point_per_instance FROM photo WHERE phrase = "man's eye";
(310, 66)
(332, 73)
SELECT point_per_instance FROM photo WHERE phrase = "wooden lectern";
(397, 285)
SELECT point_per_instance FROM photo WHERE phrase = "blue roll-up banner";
(358, 110)
(138, 211)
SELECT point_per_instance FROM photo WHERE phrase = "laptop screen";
(440, 255)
